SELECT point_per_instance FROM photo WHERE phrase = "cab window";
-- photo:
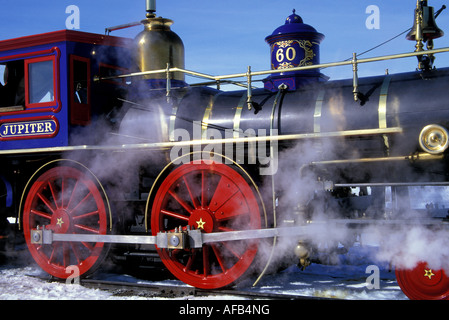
(12, 88)
(41, 82)
(40, 87)
(80, 112)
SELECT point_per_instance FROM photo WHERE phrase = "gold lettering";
(5, 131)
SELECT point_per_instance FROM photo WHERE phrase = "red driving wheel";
(212, 197)
(66, 200)
(424, 283)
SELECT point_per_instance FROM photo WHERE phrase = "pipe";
(151, 8)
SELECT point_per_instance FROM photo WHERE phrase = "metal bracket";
(180, 239)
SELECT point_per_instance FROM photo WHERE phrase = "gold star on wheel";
(428, 273)
(201, 223)
(59, 222)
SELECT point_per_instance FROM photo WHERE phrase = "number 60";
(290, 54)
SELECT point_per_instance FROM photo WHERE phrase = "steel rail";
(119, 288)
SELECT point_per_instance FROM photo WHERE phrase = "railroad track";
(118, 288)
(149, 290)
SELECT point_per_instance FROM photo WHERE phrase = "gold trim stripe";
(238, 115)
(383, 102)
(171, 129)
(383, 109)
(317, 114)
(207, 115)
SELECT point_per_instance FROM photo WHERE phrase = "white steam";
(403, 245)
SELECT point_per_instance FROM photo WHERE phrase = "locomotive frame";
(214, 196)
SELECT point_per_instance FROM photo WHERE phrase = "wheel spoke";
(206, 266)
(53, 194)
(72, 194)
(86, 215)
(53, 251)
(88, 246)
(190, 261)
(219, 257)
(87, 228)
(46, 202)
(81, 202)
(181, 202)
(76, 252)
(203, 189)
(189, 190)
(41, 214)
(175, 215)
(65, 254)
(231, 249)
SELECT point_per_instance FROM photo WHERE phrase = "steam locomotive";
(107, 152)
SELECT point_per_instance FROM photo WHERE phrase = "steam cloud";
(402, 245)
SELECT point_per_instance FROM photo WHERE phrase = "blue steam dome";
(294, 44)
(294, 18)
(295, 24)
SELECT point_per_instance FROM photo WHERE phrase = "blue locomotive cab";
(46, 86)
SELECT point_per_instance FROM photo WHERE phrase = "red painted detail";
(55, 104)
(63, 35)
(80, 113)
(424, 283)
(65, 200)
(212, 197)
(52, 54)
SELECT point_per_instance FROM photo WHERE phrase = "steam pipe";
(150, 8)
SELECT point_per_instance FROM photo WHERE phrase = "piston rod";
(179, 239)
(194, 239)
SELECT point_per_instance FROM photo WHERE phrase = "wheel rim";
(424, 283)
(215, 198)
(66, 200)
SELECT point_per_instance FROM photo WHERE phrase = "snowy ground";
(346, 281)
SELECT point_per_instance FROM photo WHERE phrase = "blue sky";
(224, 37)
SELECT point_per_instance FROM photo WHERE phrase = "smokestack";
(151, 8)
(157, 47)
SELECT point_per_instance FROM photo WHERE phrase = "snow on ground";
(353, 279)
(19, 284)
(348, 281)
